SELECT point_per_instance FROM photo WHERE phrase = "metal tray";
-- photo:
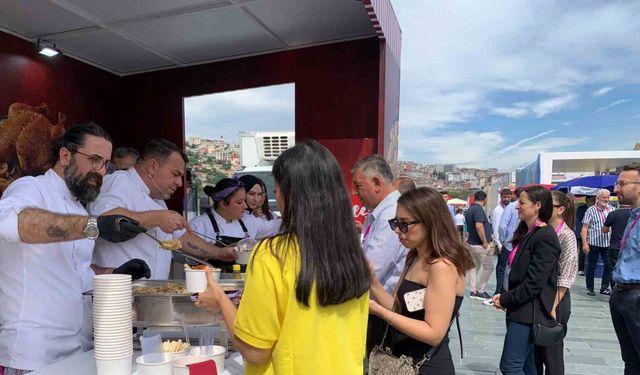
(173, 309)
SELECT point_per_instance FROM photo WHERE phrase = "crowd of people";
(397, 281)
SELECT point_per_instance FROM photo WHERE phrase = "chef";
(46, 240)
(140, 193)
(228, 221)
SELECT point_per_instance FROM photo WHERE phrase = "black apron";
(221, 241)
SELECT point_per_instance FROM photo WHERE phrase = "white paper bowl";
(196, 280)
(164, 367)
(120, 366)
(180, 364)
(217, 356)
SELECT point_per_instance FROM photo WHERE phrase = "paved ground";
(591, 346)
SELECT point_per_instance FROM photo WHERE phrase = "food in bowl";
(171, 346)
(171, 245)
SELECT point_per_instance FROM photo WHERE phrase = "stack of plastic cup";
(112, 324)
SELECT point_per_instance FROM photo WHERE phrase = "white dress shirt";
(495, 223)
(41, 285)
(381, 244)
(125, 189)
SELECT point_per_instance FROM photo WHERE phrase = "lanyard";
(560, 227)
(512, 254)
(628, 232)
(601, 214)
(366, 231)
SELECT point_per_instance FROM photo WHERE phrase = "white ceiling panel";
(105, 48)
(118, 10)
(203, 36)
(324, 20)
(33, 18)
(131, 36)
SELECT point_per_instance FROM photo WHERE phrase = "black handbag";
(546, 334)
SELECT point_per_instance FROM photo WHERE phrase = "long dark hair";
(536, 194)
(266, 210)
(317, 217)
(427, 206)
(569, 214)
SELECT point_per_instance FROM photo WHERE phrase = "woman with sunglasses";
(532, 280)
(304, 306)
(562, 221)
(431, 288)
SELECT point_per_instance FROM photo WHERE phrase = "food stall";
(129, 68)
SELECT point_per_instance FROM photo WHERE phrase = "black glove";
(118, 228)
(137, 268)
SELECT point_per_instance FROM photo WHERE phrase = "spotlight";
(47, 48)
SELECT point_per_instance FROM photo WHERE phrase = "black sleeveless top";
(440, 362)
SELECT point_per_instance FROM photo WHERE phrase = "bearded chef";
(46, 241)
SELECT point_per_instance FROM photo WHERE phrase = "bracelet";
(393, 319)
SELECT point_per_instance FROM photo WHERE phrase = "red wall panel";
(337, 92)
(79, 90)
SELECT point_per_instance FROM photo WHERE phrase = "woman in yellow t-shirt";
(305, 304)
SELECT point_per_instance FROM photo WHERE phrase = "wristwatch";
(91, 229)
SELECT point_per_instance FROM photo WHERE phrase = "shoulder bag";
(383, 362)
(547, 334)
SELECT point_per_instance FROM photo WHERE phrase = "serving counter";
(85, 364)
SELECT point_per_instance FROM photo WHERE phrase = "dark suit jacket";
(533, 277)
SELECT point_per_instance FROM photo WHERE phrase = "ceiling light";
(47, 48)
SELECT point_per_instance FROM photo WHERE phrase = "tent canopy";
(457, 202)
(588, 185)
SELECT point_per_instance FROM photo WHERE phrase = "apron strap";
(214, 224)
(244, 228)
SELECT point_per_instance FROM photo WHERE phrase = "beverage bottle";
(236, 271)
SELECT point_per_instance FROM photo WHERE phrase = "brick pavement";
(591, 346)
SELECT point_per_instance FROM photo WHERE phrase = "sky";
(493, 83)
(487, 83)
(268, 108)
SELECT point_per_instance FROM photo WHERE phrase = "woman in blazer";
(532, 280)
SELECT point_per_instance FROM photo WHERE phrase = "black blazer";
(534, 277)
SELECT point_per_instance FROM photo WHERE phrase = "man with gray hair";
(372, 181)
(594, 242)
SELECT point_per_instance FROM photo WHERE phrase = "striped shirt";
(568, 258)
(595, 218)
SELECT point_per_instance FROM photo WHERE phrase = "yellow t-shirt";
(305, 340)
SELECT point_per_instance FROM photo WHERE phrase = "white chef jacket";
(125, 189)
(41, 285)
(258, 228)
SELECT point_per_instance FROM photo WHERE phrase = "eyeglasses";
(403, 225)
(622, 183)
(97, 162)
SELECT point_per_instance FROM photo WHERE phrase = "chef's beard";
(79, 185)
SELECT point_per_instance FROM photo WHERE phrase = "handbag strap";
(434, 349)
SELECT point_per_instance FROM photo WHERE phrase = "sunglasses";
(403, 225)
